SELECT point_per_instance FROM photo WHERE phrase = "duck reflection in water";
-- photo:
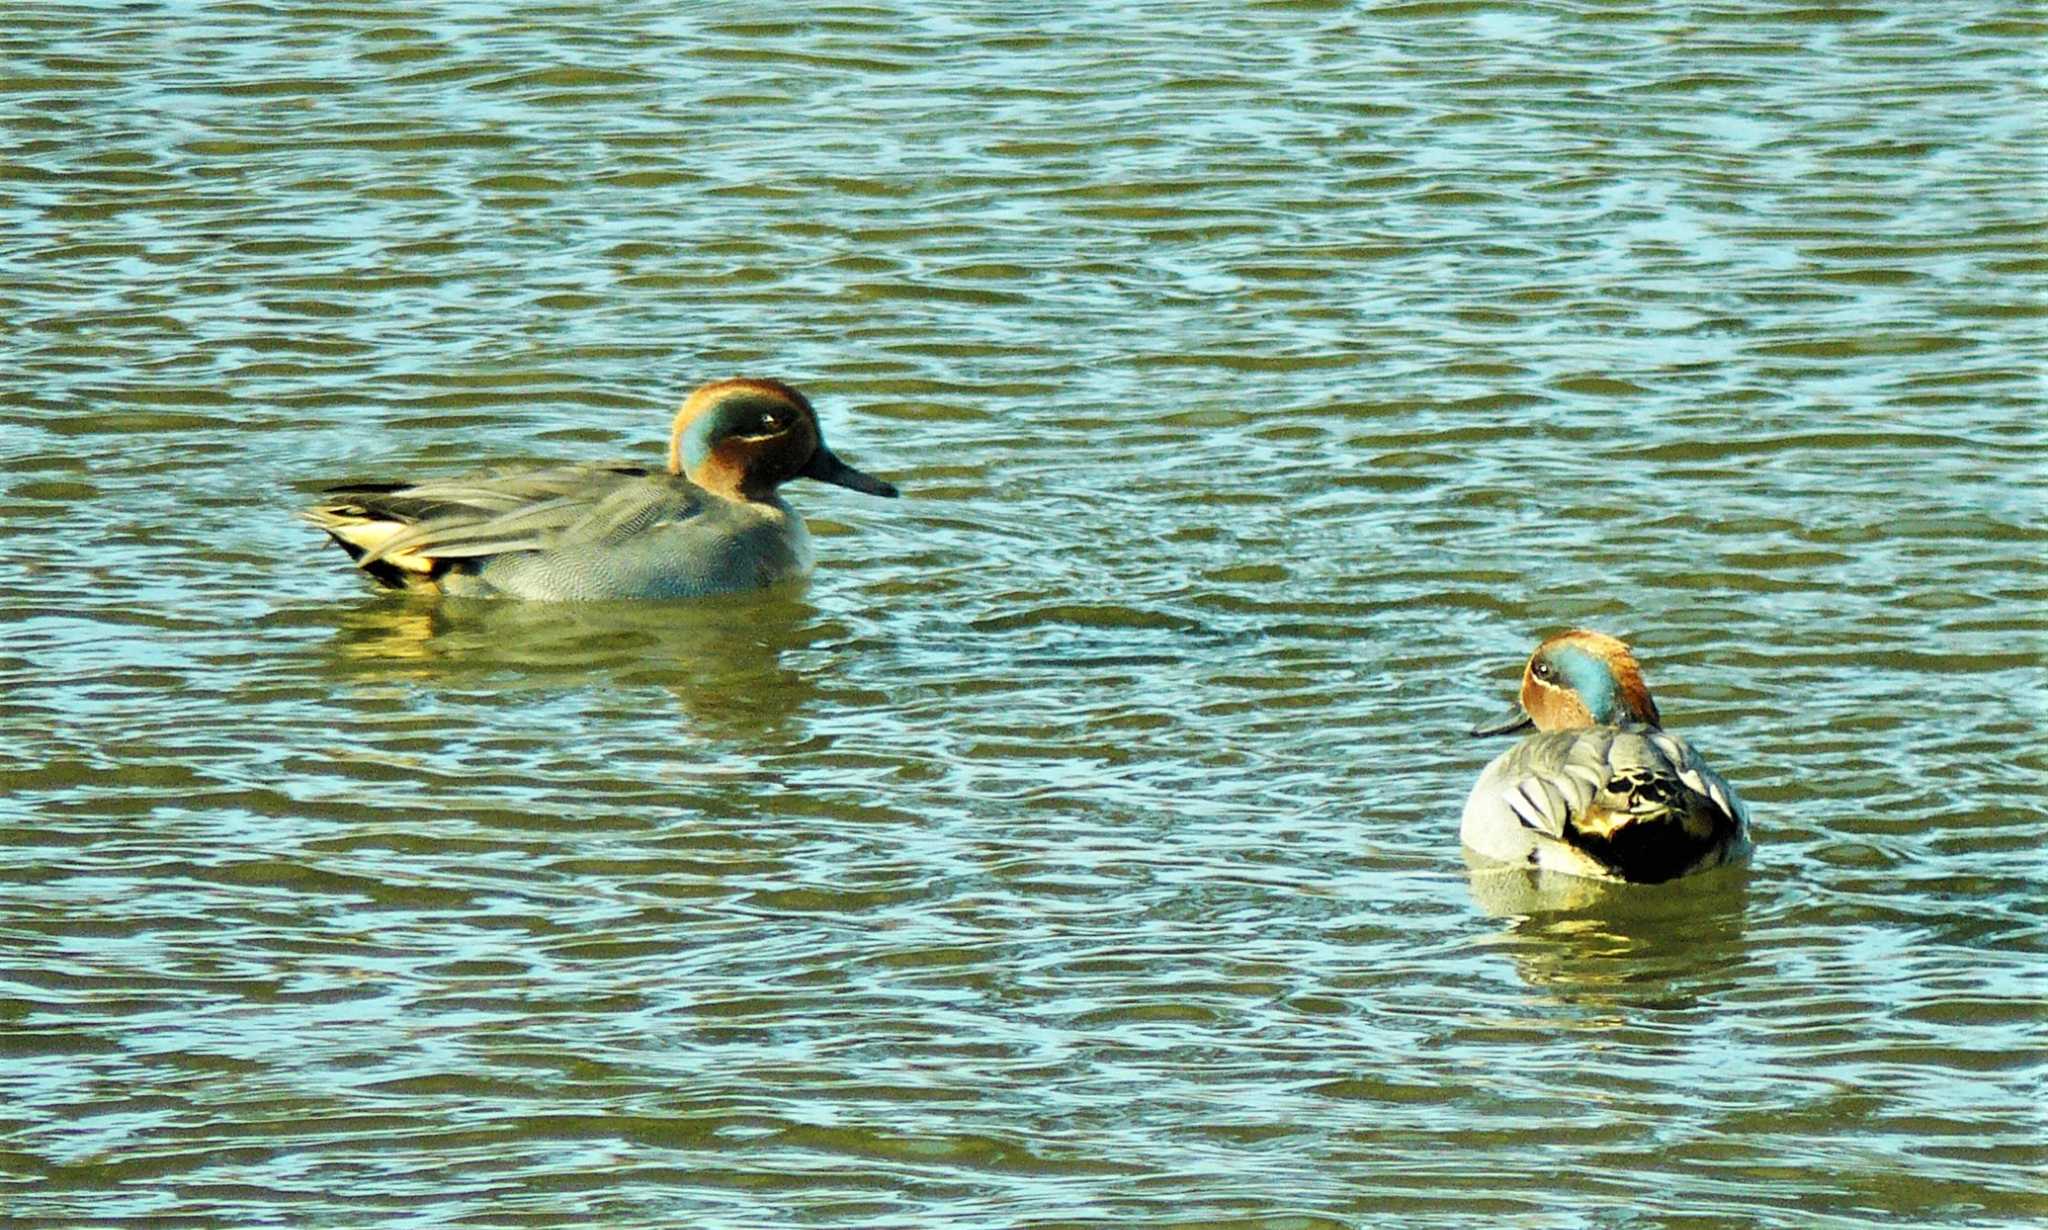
(1611, 950)
(721, 660)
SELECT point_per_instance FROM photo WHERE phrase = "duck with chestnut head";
(712, 522)
(1600, 789)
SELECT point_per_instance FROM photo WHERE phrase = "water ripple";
(1079, 848)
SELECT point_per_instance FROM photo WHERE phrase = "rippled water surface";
(1079, 848)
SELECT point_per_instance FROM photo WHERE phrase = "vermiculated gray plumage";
(1635, 802)
(597, 531)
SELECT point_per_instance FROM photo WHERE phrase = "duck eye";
(1543, 671)
(768, 425)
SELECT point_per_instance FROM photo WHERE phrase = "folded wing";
(400, 533)
(1637, 800)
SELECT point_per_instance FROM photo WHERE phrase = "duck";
(711, 522)
(1600, 789)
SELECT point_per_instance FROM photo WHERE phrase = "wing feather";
(481, 515)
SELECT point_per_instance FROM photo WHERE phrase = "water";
(1080, 847)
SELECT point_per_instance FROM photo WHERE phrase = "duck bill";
(826, 467)
(1515, 719)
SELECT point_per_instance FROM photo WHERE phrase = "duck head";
(1579, 678)
(742, 438)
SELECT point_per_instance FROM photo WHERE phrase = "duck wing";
(417, 527)
(1637, 799)
(504, 490)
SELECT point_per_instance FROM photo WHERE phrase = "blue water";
(1079, 848)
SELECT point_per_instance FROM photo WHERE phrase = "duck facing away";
(711, 523)
(1601, 790)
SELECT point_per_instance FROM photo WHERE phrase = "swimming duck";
(711, 523)
(1602, 790)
